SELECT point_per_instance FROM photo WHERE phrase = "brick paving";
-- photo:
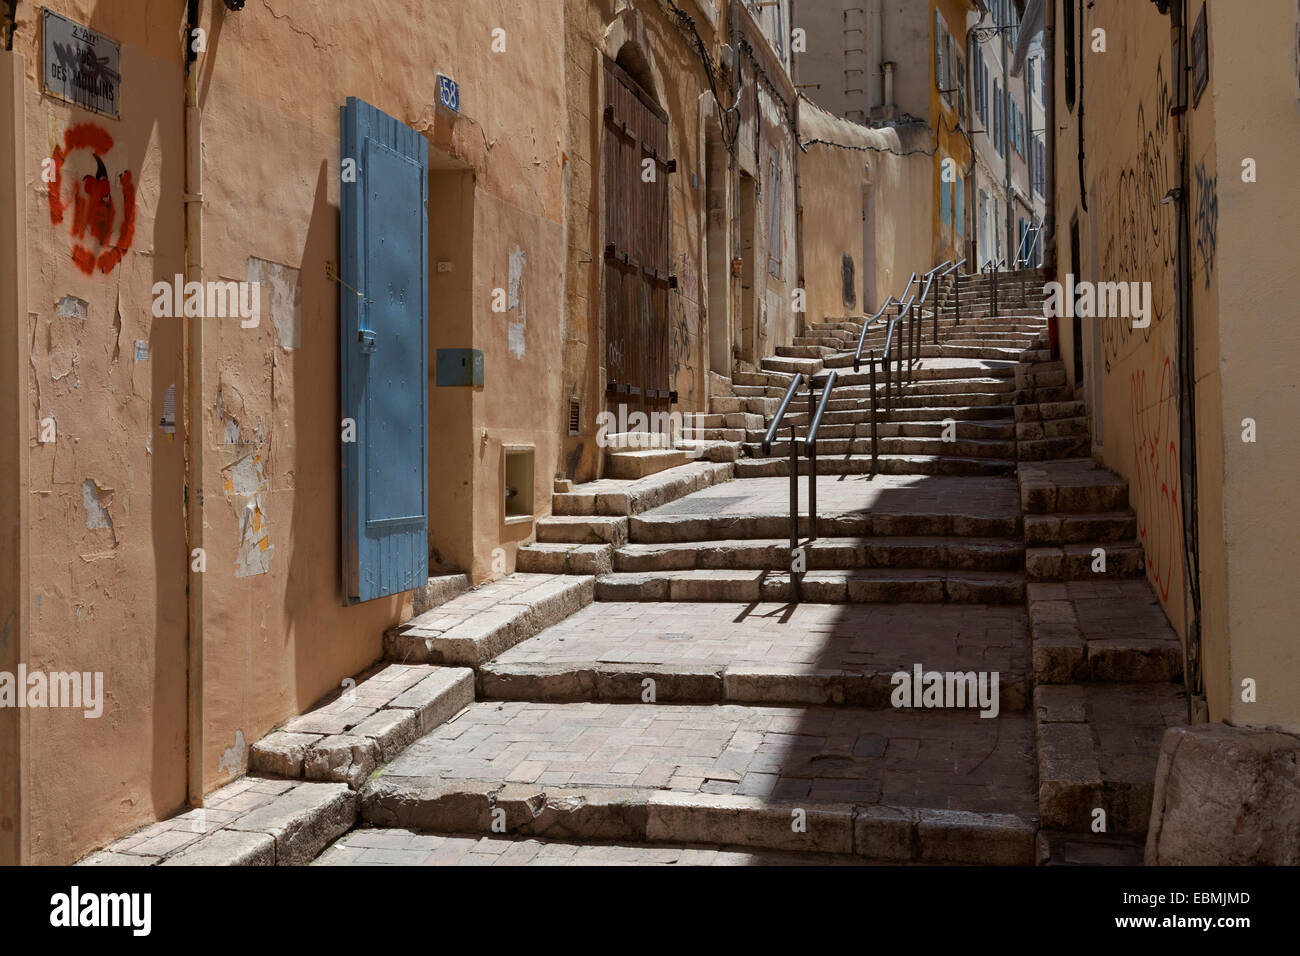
(936, 759)
(803, 637)
(401, 847)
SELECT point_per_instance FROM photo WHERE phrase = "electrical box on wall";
(460, 367)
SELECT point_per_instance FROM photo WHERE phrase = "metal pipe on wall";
(193, 364)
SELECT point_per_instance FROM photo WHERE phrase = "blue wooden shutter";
(384, 354)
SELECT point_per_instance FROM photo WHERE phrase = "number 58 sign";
(449, 93)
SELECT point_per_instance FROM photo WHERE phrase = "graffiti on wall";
(1155, 488)
(100, 236)
(1140, 229)
(1205, 219)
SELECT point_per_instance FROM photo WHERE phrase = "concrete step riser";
(780, 467)
(886, 834)
(680, 529)
(825, 555)
(815, 587)
(828, 448)
(626, 683)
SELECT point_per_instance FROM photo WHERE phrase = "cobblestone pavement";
(854, 637)
(398, 847)
(989, 497)
(935, 759)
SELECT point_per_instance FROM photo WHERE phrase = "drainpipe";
(1006, 138)
(1049, 113)
(888, 70)
(798, 216)
(193, 417)
(1193, 672)
(877, 56)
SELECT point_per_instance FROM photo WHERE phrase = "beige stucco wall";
(1245, 330)
(1255, 95)
(108, 559)
(866, 166)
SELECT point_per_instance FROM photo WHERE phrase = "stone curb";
(887, 834)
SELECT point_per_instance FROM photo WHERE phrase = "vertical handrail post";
(956, 306)
(874, 459)
(812, 461)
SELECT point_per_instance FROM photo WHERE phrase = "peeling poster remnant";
(517, 303)
(283, 287)
(96, 504)
(246, 487)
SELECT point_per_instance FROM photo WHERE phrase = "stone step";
(582, 529)
(252, 821)
(1054, 449)
(921, 413)
(620, 497)
(802, 351)
(1072, 486)
(1052, 428)
(670, 529)
(881, 784)
(343, 738)
(828, 448)
(438, 590)
(825, 554)
(767, 654)
(640, 464)
(806, 366)
(1102, 527)
(388, 846)
(888, 464)
(480, 624)
(543, 558)
(1049, 411)
(824, 587)
(1097, 750)
(848, 425)
(1101, 631)
(1074, 562)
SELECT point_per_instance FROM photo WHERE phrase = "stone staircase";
(695, 708)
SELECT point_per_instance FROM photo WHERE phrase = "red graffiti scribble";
(1155, 453)
(93, 209)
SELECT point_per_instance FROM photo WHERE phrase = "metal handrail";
(810, 440)
(780, 414)
(810, 450)
(1035, 231)
(956, 295)
(862, 336)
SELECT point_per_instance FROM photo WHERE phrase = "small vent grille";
(575, 416)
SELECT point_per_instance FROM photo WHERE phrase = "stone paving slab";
(1098, 745)
(402, 847)
(1102, 630)
(354, 730)
(996, 496)
(480, 624)
(252, 821)
(764, 653)
(951, 760)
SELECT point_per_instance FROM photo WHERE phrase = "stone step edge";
(486, 634)
(352, 754)
(1062, 654)
(291, 829)
(684, 683)
(643, 494)
(821, 587)
(641, 815)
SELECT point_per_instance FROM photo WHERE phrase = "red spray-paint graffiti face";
(94, 212)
